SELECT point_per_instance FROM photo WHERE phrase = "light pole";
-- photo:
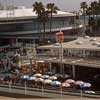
(60, 38)
(61, 58)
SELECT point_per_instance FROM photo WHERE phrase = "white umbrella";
(78, 82)
(55, 83)
(65, 84)
(70, 81)
(31, 78)
(47, 81)
(25, 77)
(45, 76)
(53, 77)
(37, 75)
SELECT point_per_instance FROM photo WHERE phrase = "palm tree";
(88, 13)
(51, 9)
(38, 8)
(93, 6)
(98, 20)
(91, 24)
(95, 12)
(43, 18)
(99, 6)
(83, 6)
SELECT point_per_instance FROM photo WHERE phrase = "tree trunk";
(89, 23)
(84, 18)
(84, 27)
(44, 30)
(51, 23)
(97, 23)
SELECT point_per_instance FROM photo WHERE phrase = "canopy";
(85, 85)
(31, 78)
(45, 76)
(37, 75)
(55, 83)
(47, 81)
(39, 80)
(78, 82)
(25, 77)
(65, 85)
(70, 81)
(53, 77)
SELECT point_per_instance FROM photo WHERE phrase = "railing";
(54, 29)
(45, 90)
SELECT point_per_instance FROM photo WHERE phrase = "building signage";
(60, 36)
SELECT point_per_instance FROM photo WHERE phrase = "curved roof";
(80, 43)
(27, 12)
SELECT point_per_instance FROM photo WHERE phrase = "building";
(21, 25)
(83, 47)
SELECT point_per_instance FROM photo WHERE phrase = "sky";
(65, 5)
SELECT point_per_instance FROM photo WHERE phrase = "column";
(73, 71)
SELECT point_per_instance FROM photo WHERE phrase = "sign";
(60, 36)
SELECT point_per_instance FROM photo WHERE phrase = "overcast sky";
(67, 5)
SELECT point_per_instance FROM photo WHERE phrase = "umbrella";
(31, 78)
(53, 77)
(45, 76)
(39, 79)
(85, 85)
(37, 75)
(55, 83)
(78, 82)
(65, 84)
(25, 77)
(70, 81)
(47, 81)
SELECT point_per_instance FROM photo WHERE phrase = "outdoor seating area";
(47, 80)
(36, 74)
